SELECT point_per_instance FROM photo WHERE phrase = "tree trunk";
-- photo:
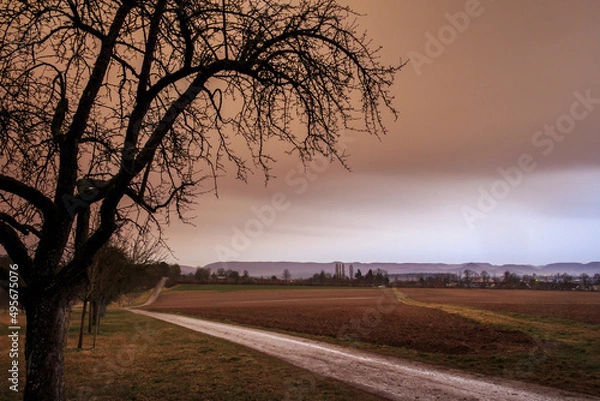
(68, 324)
(91, 317)
(44, 343)
(96, 326)
(81, 327)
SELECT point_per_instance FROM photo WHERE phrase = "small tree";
(468, 277)
(202, 274)
(107, 275)
(286, 276)
(233, 275)
(585, 280)
(565, 281)
(381, 277)
(358, 275)
(485, 278)
(114, 272)
(510, 280)
(174, 272)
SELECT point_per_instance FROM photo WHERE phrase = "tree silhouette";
(118, 113)
(485, 278)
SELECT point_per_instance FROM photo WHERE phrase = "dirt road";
(156, 291)
(392, 378)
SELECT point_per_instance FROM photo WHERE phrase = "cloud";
(474, 110)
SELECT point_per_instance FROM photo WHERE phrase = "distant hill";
(307, 269)
(186, 269)
(574, 268)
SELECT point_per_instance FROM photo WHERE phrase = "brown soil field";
(573, 305)
(370, 315)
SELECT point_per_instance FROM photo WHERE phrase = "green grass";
(140, 358)
(138, 298)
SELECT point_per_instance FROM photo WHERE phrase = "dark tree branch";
(31, 195)
(17, 250)
(135, 196)
(187, 35)
(24, 229)
(67, 174)
(149, 51)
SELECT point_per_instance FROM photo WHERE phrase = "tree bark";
(96, 326)
(44, 343)
(80, 342)
(68, 324)
(91, 318)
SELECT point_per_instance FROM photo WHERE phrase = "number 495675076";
(13, 293)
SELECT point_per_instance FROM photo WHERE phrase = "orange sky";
(475, 169)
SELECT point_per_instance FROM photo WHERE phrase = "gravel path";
(390, 377)
(156, 291)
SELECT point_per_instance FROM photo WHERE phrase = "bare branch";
(28, 193)
(24, 229)
(16, 249)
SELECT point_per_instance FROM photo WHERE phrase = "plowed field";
(572, 305)
(369, 315)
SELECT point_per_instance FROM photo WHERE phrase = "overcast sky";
(495, 156)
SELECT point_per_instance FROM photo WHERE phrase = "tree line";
(508, 280)
(116, 272)
(348, 276)
(204, 275)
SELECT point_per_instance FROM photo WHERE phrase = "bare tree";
(485, 278)
(468, 275)
(585, 280)
(286, 276)
(112, 111)
(202, 274)
(107, 281)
